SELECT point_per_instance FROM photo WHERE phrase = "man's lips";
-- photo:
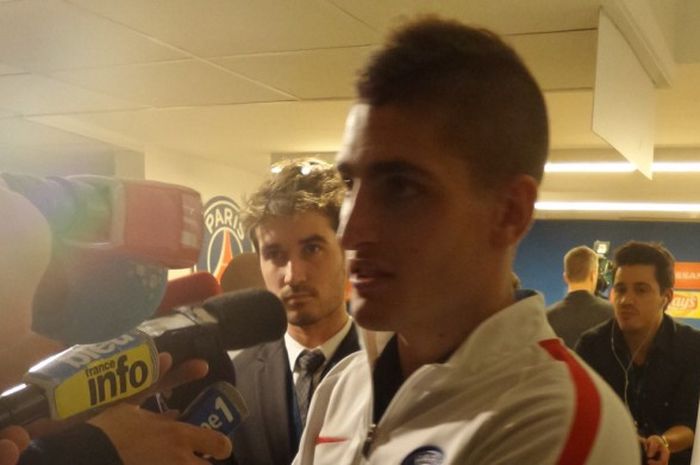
(368, 276)
(298, 296)
(627, 313)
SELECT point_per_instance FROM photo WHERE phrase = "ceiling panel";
(49, 34)
(503, 16)
(181, 83)
(7, 69)
(561, 60)
(240, 135)
(314, 74)
(678, 109)
(31, 94)
(687, 38)
(237, 26)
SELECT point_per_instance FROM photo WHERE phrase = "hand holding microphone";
(91, 376)
(136, 435)
(13, 440)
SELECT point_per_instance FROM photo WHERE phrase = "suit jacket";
(264, 379)
(577, 312)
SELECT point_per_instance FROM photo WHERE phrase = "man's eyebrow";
(313, 238)
(268, 247)
(383, 168)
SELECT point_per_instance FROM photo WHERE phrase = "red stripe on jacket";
(584, 428)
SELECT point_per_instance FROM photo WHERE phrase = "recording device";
(86, 377)
(86, 296)
(219, 407)
(192, 289)
(150, 222)
(605, 269)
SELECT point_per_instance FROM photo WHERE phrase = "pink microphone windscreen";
(188, 290)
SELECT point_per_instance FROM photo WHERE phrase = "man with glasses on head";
(651, 361)
(292, 220)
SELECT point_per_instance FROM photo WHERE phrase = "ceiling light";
(589, 167)
(675, 167)
(620, 167)
(618, 207)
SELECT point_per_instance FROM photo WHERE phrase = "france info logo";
(224, 237)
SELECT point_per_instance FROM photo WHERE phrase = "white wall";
(208, 177)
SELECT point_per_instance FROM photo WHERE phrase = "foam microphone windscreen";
(189, 290)
(247, 318)
(88, 296)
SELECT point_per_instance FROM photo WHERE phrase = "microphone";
(86, 296)
(150, 222)
(192, 289)
(219, 407)
(82, 378)
(86, 377)
(229, 321)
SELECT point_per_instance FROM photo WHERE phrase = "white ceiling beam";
(636, 21)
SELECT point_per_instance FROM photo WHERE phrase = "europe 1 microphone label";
(219, 407)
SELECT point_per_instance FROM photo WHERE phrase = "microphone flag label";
(92, 375)
(219, 407)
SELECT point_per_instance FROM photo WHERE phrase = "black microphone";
(86, 377)
(229, 321)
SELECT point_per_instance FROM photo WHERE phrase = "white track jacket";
(510, 394)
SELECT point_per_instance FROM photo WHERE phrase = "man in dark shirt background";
(581, 309)
(651, 361)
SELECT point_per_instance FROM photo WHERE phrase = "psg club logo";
(224, 237)
(426, 455)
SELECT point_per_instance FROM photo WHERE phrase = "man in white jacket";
(442, 156)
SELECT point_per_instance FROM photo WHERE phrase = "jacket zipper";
(368, 440)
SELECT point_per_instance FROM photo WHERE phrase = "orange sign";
(687, 275)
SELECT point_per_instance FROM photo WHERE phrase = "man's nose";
(357, 221)
(295, 271)
(625, 298)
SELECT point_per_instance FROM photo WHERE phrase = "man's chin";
(300, 318)
(368, 316)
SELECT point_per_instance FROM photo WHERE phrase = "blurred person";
(292, 220)
(581, 309)
(121, 434)
(651, 361)
(442, 157)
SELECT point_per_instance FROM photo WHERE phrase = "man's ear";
(514, 210)
(668, 298)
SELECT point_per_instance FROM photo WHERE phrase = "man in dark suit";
(580, 310)
(292, 220)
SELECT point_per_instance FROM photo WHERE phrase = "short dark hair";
(478, 90)
(295, 186)
(647, 253)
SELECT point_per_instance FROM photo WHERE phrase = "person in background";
(581, 309)
(122, 434)
(651, 361)
(442, 157)
(292, 219)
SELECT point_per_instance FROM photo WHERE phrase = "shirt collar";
(328, 348)
(662, 342)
